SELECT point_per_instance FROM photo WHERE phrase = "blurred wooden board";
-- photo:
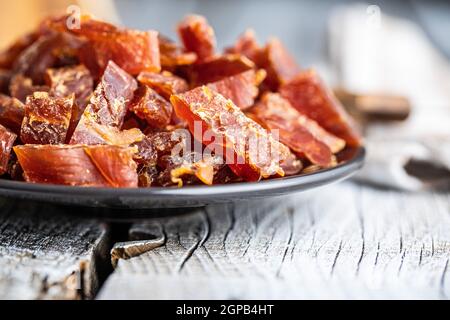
(344, 241)
(46, 254)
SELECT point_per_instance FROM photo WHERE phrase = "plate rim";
(356, 162)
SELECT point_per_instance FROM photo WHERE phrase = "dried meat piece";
(185, 169)
(279, 64)
(113, 93)
(151, 157)
(14, 170)
(44, 53)
(197, 36)
(249, 150)
(11, 113)
(171, 146)
(246, 45)
(147, 176)
(164, 143)
(242, 88)
(132, 121)
(7, 139)
(173, 55)
(174, 162)
(150, 106)
(9, 55)
(65, 165)
(146, 152)
(5, 78)
(334, 143)
(225, 175)
(134, 51)
(347, 154)
(291, 165)
(87, 166)
(191, 168)
(46, 119)
(108, 104)
(217, 69)
(304, 136)
(115, 164)
(309, 95)
(89, 132)
(165, 83)
(274, 58)
(73, 79)
(21, 87)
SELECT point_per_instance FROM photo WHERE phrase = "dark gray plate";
(192, 196)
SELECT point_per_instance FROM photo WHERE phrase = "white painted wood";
(344, 241)
(45, 254)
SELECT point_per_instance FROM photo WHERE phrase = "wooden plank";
(343, 241)
(47, 254)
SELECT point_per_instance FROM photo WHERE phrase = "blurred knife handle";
(374, 107)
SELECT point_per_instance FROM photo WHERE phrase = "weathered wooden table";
(341, 241)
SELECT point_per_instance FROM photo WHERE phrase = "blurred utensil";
(374, 107)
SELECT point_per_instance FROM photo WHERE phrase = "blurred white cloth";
(372, 53)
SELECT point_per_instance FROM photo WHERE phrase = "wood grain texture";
(344, 241)
(46, 254)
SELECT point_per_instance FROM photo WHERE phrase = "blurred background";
(300, 23)
(389, 55)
